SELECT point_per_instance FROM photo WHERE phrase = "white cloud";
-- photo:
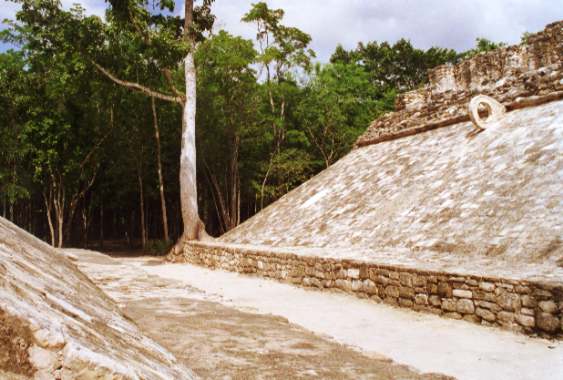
(453, 24)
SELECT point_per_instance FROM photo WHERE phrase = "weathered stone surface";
(369, 191)
(68, 328)
(547, 322)
(494, 311)
(444, 290)
(485, 314)
(503, 74)
(405, 279)
(449, 304)
(505, 316)
(509, 301)
(487, 286)
(548, 306)
(465, 306)
(406, 292)
(435, 301)
(421, 299)
(392, 291)
(526, 320)
(462, 293)
(404, 302)
(446, 213)
(529, 301)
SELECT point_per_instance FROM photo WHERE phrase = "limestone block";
(405, 279)
(406, 292)
(453, 315)
(392, 291)
(357, 285)
(370, 287)
(509, 301)
(485, 314)
(526, 320)
(547, 322)
(505, 316)
(354, 273)
(444, 290)
(489, 305)
(542, 294)
(487, 286)
(529, 301)
(461, 293)
(548, 306)
(435, 300)
(465, 306)
(520, 289)
(404, 302)
(382, 280)
(419, 281)
(421, 299)
(449, 304)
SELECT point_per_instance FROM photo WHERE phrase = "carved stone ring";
(495, 111)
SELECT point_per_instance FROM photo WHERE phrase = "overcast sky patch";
(452, 24)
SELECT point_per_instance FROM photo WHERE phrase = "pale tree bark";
(194, 229)
(193, 226)
(159, 170)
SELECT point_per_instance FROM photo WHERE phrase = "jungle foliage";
(79, 154)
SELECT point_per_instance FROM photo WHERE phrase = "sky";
(445, 23)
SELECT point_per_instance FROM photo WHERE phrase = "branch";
(138, 87)
(91, 152)
(168, 75)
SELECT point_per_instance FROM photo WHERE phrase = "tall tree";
(133, 16)
(282, 49)
(227, 89)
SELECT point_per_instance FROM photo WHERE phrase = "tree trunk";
(101, 237)
(193, 227)
(188, 184)
(142, 210)
(159, 169)
(48, 207)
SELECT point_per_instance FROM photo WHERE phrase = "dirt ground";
(220, 342)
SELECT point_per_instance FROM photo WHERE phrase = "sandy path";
(426, 342)
(221, 341)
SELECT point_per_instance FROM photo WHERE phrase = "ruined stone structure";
(56, 324)
(427, 214)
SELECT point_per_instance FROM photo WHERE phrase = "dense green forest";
(87, 157)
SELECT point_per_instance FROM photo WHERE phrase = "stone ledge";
(528, 307)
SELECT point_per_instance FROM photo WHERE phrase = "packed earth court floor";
(228, 326)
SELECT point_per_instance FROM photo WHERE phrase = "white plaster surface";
(77, 331)
(426, 342)
(490, 204)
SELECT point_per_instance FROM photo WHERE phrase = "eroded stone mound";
(56, 324)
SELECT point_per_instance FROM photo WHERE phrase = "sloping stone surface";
(56, 324)
(439, 194)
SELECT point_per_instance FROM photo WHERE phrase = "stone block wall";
(527, 307)
(517, 76)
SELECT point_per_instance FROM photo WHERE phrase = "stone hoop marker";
(495, 111)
